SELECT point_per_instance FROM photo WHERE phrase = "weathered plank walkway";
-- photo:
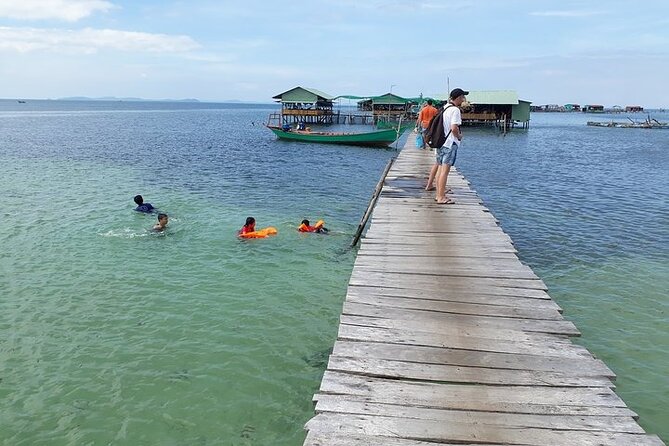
(447, 338)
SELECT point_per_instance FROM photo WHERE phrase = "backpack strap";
(449, 129)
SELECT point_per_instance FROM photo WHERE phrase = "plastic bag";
(419, 140)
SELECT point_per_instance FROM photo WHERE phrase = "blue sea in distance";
(113, 334)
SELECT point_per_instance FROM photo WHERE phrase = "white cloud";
(68, 10)
(567, 14)
(88, 40)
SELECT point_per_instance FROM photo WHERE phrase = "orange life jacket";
(304, 228)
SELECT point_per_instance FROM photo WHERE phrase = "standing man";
(424, 117)
(447, 154)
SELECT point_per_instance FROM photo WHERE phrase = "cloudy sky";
(611, 52)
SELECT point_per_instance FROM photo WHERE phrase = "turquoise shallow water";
(112, 334)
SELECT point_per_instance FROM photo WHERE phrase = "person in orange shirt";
(424, 117)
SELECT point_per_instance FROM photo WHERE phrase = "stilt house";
(305, 105)
(501, 108)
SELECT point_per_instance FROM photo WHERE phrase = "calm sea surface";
(112, 334)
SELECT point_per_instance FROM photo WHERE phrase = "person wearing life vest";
(249, 230)
(249, 226)
(318, 227)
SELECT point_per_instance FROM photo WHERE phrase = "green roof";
(490, 97)
(389, 99)
(303, 95)
(384, 99)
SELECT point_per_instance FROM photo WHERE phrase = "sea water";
(111, 333)
(588, 210)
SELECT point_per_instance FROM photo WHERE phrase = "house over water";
(389, 107)
(306, 105)
(501, 108)
(593, 108)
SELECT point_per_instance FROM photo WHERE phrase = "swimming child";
(318, 227)
(141, 206)
(249, 226)
(249, 230)
(162, 222)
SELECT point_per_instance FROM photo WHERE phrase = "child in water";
(249, 226)
(141, 206)
(318, 228)
(162, 222)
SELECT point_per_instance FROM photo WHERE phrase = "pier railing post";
(372, 203)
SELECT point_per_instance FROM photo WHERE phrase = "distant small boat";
(377, 138)
(21, 102)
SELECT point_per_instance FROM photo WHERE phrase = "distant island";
(113, 98)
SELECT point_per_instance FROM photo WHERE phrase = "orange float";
(260, 233)
(315, 228)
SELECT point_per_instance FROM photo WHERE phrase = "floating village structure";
(301, 106)
(593, 108)
(305, 105)
(500, 108)
(387, 107)
(309, 106)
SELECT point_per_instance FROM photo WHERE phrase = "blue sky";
(609, 52)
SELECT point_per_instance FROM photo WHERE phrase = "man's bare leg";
(430, 180)
(442, 178)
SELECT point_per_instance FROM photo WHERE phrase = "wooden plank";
(360, 406)
(435, 431)
(432, 327)
(333, 439)
(527, 312)
(495, 341)
(389, 368)
(485, 398)
(536, 300)
(555, 327)
(436, 244)
(380, 227)
(361, 276)
(460, 288)
(439, 233)
(434, 255)
(510, 264)
(580, 366)
(468, 269)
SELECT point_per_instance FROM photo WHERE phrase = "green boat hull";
(379, 138)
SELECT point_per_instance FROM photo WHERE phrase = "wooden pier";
(447, 338)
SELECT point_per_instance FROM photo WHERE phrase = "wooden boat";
(377, 138)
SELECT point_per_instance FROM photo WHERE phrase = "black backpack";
(435, 136)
